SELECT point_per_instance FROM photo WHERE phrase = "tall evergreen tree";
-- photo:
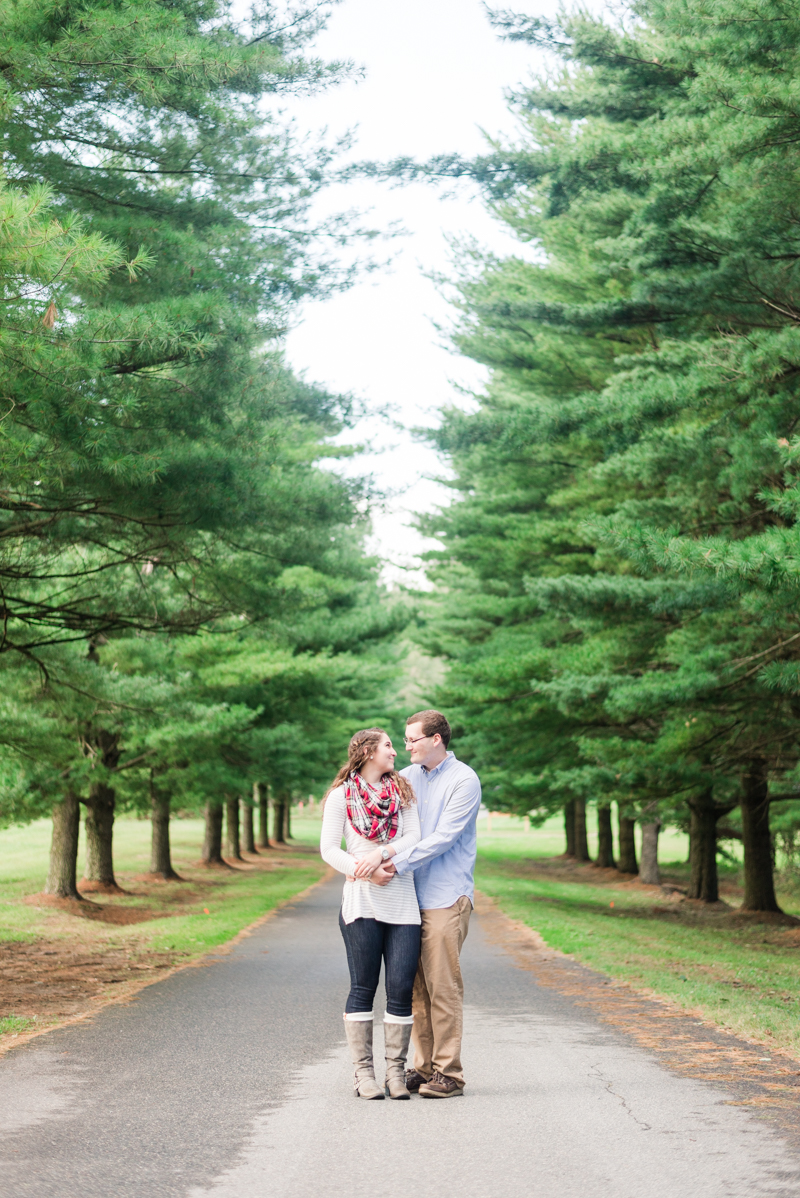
(144, 421)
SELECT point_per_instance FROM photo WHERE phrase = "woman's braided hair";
(362, 744)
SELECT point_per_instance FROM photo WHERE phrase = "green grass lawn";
(176, 919)
(741, 974)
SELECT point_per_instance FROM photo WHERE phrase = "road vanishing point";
(231, 1080)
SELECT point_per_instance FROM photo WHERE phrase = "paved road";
(232, 1081)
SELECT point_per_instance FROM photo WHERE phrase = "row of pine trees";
(186, 609)
(619, 590)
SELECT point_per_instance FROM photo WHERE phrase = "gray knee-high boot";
(397, 1037)
(359, 1037)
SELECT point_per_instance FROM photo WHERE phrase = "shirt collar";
(442, 764)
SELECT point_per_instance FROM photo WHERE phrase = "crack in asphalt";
(595, 1070)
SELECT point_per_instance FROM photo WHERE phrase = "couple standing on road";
(411, 844)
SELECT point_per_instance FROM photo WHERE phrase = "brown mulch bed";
(101, 912)
(54, 980)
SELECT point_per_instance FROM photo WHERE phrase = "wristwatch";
(384, 854)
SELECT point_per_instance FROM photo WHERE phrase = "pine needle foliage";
(154, 239)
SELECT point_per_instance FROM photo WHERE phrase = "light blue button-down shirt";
(443, 861)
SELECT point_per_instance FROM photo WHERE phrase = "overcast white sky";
(435, 75)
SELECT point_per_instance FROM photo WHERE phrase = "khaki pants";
(438, 1001)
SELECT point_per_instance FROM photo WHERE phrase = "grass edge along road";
(736, 971)
(62, 962)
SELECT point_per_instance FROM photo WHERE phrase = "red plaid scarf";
(375, 819)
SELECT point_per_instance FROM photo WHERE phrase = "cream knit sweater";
(362, 899)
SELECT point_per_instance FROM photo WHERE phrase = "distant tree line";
(619, 593)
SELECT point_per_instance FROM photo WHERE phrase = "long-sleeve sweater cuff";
(342, 862)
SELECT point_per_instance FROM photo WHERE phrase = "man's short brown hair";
(432, 722)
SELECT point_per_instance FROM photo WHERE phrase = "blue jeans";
(370, 941)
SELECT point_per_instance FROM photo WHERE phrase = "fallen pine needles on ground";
(739, 970)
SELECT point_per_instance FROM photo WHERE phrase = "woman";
(375, 810)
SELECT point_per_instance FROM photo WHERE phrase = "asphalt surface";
(232, 1080)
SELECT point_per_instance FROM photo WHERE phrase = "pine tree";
(145, 418)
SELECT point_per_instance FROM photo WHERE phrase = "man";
(449, 797)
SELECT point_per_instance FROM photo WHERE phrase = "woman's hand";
(367, 865)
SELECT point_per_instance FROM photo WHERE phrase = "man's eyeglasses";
(413, 740)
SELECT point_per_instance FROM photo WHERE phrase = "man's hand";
(383, 874)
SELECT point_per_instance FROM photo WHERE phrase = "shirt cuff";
(400, 862)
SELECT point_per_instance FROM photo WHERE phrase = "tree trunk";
(649, 872)
(260, 800)
(627, 846)
(569, 827)
(160, 853)
(99, 871)
(287, 826)
(62, 874)
(212, 845)
(232, 822)
(278, 821)
(581, 839)
(248, 837)
(759, 884)
(605, 838)
(703, 877)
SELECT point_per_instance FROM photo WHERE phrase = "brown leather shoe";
(414, 1080)
(440, 1087)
